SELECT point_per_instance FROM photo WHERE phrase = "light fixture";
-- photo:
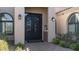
(53, 19)
(19, 16)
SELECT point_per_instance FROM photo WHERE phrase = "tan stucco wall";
(19, 25)
(9, 10)
(51, 24)
(58, 9)
(40, 10)
(61, 19)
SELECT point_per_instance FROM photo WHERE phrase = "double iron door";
(33, 27)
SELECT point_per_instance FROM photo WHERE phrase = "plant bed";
(73, 46)
(56, 41)
(66, 44)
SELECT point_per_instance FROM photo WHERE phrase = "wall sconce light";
(19, 16)
(53, 19)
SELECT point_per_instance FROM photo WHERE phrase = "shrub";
(73, 46)
(3, 45)
(62, 43)
(67, 44)
(18, 48)
(20, 45)
(56, 41)
(76, 46)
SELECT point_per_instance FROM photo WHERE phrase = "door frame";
(42, 24)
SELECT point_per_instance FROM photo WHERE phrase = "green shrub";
(3, 45)
(73, 46)
(77, 46)
(56, 41)
(20, 45)
(62, 43)
(18, 48)
(67, 44)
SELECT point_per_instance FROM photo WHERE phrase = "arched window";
(73, 23)
(6, 23)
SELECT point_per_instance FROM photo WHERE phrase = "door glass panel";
(6, 17)
(77, 28)
(9, 28)
(36, 24)
(72, 28)
(6, 23)
(2, 27)
(28, 24)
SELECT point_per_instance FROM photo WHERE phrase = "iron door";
(33, 27)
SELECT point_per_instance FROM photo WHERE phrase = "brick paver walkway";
(45, 46)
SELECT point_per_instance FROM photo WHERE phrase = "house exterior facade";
(16, 26)
(24, 24)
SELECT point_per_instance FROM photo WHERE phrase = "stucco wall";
(19, 25)
(58, 9)
(7, 10)
(40, 10)
(51, 24)
(62, 17)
